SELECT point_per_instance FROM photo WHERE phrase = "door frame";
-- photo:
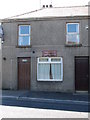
(18, 71)
(75, 72)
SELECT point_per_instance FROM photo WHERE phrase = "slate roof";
(55, 12)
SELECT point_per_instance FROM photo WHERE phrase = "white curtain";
(56, 70)
(43, 71)
(73, 38)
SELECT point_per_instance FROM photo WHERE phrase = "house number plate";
(24, 60)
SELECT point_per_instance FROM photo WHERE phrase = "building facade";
(48, 53)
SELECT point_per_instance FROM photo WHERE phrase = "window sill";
(73, 45)
(50, 80)
(23, 46)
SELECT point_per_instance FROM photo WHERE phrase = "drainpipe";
(0, 62)
(11, 84)
(0, 68)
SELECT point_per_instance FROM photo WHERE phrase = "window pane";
(24, 29)
(73, 38)
(73, 28)
(43, 59)
(24, 40)
(56, 71)
(43, 71)
(55, 59)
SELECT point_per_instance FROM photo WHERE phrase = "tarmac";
(45, 96)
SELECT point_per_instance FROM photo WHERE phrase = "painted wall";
(46, 34)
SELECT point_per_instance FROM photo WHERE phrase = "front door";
(24, 73)
(81, 73)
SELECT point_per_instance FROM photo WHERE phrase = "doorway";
(24, 73)
(82, 73)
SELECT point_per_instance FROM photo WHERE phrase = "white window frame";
(49, 61)
(22, 35)
(73, 33)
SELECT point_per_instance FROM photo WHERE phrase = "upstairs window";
(50, 69)
(72, 36)
(24, 35)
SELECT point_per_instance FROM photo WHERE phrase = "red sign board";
(49, 53)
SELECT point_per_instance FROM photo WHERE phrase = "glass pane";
(43, 59)
(24, 40)
(55, 59)
(56, 70)
(73, 28)
(24, 29)
(73, 38)
(43, 71)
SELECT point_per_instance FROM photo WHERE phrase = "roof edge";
(43, 18)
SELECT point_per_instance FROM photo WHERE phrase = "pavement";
(24, 112)
(45, 96)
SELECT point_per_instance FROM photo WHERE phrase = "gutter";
(44, 19)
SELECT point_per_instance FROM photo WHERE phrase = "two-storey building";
(46, 50)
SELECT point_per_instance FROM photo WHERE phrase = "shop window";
(50, 69)
(72, 36)
(24, 35)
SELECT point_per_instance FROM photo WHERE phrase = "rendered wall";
(45, 35)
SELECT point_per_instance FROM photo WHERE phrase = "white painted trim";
(52, 62)
(49, 60)
(49, 80)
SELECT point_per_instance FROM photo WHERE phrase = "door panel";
(24, 73)
(81, 73)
